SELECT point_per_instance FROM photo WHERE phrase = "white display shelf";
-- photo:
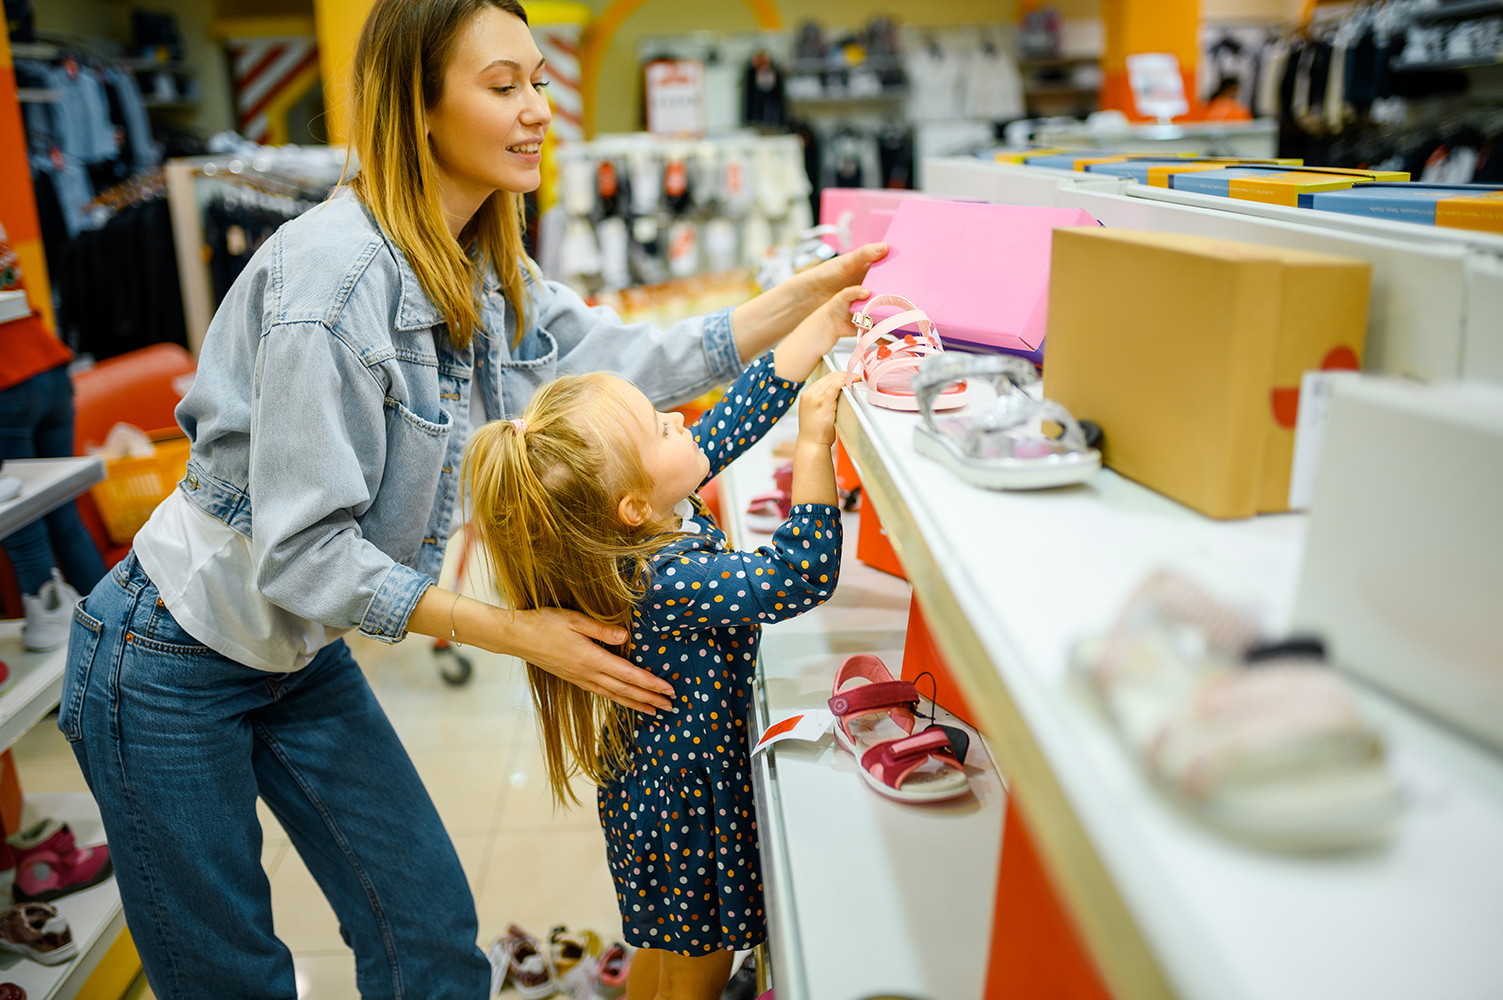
(93, 915)
(36, 684)
(861, 890)
(46, 484)
(1010, 581)
(13, 305)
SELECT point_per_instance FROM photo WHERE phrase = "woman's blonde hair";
(398, 77)
(545, 497)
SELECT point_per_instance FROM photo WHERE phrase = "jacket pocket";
(83, 645)
(518, 380)
(402, 509)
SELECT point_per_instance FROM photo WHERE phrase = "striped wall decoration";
(271, 74)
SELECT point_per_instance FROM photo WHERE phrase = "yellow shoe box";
(1188, 352)
(1484, 212)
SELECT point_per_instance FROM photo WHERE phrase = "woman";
(334, 393)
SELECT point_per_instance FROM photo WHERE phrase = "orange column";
(1137, 26)
(338, 23)
(18, 205)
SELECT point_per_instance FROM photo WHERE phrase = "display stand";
(13, 306)
(1166, 907)
(861, 890)
(94, 915)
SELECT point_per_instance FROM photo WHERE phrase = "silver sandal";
(1005, 446)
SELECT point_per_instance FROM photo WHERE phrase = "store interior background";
(618, 108)
(475, 745)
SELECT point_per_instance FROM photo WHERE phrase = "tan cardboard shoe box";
(1188, 351)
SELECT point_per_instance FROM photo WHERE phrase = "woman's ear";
(632, 511)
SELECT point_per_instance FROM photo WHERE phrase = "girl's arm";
(749, 408)
(797, 571)
(766, 319)
(564, 643)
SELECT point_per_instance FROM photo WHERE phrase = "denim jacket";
(329, 412)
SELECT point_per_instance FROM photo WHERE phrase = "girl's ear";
(632, 511)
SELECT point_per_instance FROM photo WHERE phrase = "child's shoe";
(574, 962)
(50, 865)
(49, 614)
(610, 972)
(36, 931)
(528, 968)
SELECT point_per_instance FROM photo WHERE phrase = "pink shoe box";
(980, 271)
(860, 215)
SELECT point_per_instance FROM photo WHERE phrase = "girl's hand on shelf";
(817, 407)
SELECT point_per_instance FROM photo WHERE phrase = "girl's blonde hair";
(398, 77)
(545, 497)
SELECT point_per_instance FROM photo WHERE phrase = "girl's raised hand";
(795, 357)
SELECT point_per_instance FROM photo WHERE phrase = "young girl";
(588, 502)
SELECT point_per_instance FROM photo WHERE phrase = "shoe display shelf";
(94, 915)
(861, 890)
(1163, 905)
(13, 305)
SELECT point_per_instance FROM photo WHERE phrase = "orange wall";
(1136, 26)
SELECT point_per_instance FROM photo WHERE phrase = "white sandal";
(886, 359)
(1275, 753)
(1004, 447)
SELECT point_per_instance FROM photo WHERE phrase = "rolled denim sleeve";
(316, 411)
(670, 366)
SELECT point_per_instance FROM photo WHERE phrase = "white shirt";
(205, 574)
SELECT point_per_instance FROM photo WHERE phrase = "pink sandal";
(886, 357)
(875, 720)
(766, 512)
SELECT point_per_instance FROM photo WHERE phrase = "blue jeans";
(176, 742)
(36, 421)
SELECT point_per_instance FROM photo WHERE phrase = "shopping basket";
(133, 487)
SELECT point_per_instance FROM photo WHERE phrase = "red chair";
(135, 388)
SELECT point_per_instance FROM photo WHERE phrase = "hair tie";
(520, 425)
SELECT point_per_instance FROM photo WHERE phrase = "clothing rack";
(285, 179)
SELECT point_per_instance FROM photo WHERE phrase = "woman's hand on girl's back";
(566, 644)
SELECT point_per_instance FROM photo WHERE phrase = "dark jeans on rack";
(36, 421)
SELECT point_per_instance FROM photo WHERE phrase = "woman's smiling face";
(488, 126)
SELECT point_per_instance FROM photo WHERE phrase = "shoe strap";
(874, 697)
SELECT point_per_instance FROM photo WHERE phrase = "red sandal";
(875, 721)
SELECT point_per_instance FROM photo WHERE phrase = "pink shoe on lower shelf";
(50, 865)
(610, 975)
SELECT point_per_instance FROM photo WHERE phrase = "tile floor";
(476, 749)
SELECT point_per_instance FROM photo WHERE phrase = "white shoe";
(49, 614)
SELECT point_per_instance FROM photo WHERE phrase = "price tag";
(1315, 390)
(675, 97)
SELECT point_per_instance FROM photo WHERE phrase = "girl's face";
(670, 456)
(487, 129)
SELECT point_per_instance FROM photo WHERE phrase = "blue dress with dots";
(680, 824)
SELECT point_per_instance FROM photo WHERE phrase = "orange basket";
(133, 487)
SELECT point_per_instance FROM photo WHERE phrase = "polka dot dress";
(680, 825)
